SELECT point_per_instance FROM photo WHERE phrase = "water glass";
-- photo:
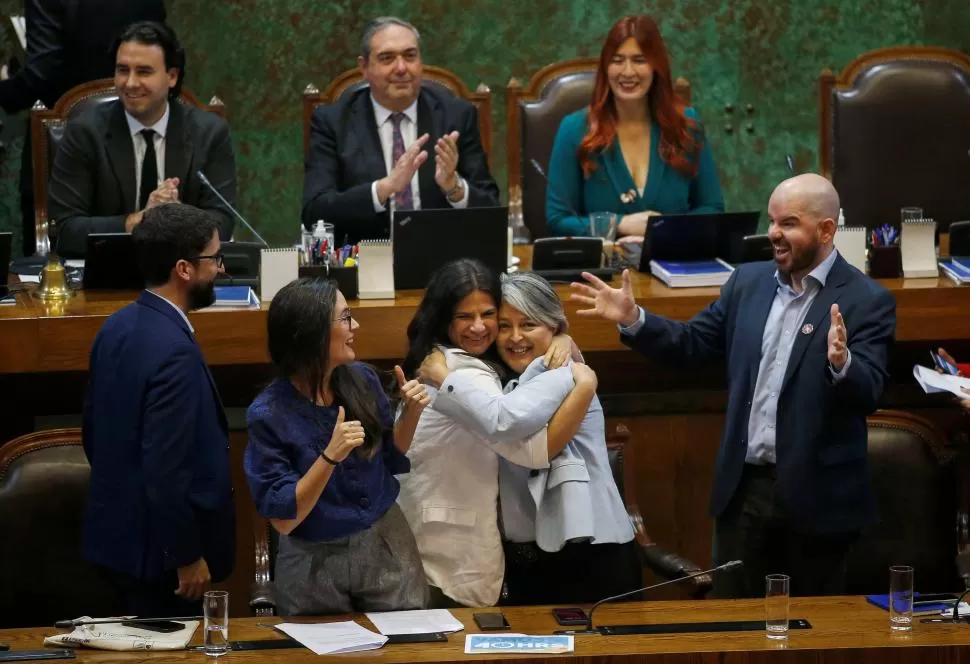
(215, 606)
(776, 606)
(910, 214)
(603, 225)
(901, 598)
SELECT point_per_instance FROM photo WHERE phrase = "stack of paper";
(691, 273)
(956, 270)
(415, 622)
(333, 638)
(931, 382)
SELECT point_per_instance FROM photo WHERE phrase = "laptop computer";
(241, 264)
(110, 263)
(6, 242)
(695, 237)
(424, 240)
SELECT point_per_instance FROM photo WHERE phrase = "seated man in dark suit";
(159, 517)
(374, 143)
(806, 341)
(123, 157)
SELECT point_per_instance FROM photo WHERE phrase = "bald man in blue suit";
(806, 339)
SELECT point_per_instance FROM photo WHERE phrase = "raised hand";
(414, 396)
(434, 369)
(838, 351)
(615, 304)
(446, 161)
(403, 171)
(345, 438)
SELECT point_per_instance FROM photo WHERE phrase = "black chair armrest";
(666, 564)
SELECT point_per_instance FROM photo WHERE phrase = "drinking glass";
(215, 606)
(776, 605)
(901, 598)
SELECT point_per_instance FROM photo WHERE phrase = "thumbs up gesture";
(345, 438)
(838, 351)
(414, 396)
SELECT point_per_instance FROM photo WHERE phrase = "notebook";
(882, 601)
(375, 270)
(277, 267)
(955, 271)
(235, 296)
(850, 241)
(917, 241)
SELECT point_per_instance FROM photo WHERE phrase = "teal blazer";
(570, 192)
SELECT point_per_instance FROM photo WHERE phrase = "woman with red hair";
(637, 151)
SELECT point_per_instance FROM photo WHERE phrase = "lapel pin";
(808, 328)
(628, 196)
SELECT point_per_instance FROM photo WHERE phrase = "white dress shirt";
(160, 128)
(174, 306)
(409, 132)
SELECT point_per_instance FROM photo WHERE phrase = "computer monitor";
(688, 237)
(110, 263)
(424, 240)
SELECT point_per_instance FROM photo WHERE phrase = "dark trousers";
(580, 573)
(152, 599)
(755, 530)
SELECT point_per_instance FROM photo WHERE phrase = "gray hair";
(379, 24)
(535, 298)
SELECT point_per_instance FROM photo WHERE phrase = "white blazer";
(450, 497)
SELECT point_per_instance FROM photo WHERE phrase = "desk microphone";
(734, 564)
(555, 192)
(70, 624)
(791, 164)
(215, 191)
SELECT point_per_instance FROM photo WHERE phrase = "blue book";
(235, 296)
(678, 274)
(882, 601)
(956, 270)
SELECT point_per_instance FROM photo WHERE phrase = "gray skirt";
(377, 569)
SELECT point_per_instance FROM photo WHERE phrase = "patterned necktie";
(402, 199)
(149, 169)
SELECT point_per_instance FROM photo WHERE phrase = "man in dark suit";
(68, 43)
(159, 517)
(805, 340)
(123, 157)
(371, 144)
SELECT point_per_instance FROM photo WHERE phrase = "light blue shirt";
(784, 324)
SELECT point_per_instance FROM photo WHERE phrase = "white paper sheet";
(332, 638)
(931, 382)
(415, 622)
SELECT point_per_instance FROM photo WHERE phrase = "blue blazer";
(667, 191)
(821, 430)
(156, 437)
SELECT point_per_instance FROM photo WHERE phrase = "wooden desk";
(41, 338)
(844, 630)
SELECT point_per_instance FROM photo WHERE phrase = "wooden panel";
(845, 630)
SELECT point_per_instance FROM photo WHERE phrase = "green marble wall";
(258, 55)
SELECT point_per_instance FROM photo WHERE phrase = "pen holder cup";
(885, 262)
(346, 277)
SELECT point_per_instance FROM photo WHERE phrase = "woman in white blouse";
(450, 497)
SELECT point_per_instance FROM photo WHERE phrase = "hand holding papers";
(931, 382)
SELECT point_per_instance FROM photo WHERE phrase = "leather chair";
(43, 485)
(533, 114)
(916, 478)
(47, 129)
(443, 80)
(665, 564)
(894, 133)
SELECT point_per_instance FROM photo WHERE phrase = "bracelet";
(328, 459)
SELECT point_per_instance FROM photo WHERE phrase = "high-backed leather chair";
(437, 77)
(47, 129)
(43, 485)
(894, 133)
(663, 563)
(915, 474)
(533, 114)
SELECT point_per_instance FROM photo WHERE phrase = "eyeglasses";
(218, 258)
(346, 318)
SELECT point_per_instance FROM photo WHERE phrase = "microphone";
(215, 191)
(791, 164)
(733, 564)
(70, 624)
(555, 192)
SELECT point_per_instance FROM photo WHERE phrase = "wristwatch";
(454, 190)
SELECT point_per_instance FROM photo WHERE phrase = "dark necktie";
(149, 169)
(402, 199)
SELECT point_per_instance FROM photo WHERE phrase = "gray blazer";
(92, 187)
(575, 499)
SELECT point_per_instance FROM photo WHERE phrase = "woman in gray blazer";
(567, 536)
